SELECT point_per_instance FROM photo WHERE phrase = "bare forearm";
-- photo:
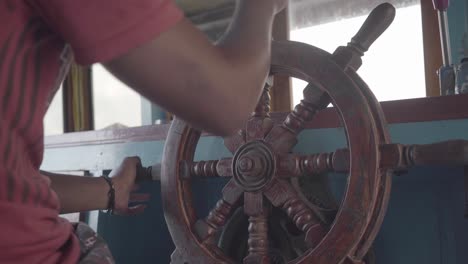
(247, 45)
(245, 54)
(248, 37)
(78, 193)
(214, 87)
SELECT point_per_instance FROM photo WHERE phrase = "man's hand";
(123, 178)
(79, 194)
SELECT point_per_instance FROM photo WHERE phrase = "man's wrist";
(110, 194)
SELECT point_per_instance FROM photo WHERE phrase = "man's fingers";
(137, 209)
(135, 187)
(132, 210)
(139, 197)
(132, 161)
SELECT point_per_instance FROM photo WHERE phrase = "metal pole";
(445, 38)
(446, 71)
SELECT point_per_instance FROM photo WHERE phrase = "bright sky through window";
(114, 102)
(393, 67)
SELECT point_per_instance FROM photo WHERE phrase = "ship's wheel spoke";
(284, 137)
(258, 229)
(207, 228)
(295, 165)
(206, 169)
(282, 195)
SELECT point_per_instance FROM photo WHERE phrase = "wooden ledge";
(401, 111)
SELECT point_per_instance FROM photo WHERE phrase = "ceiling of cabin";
(198, 6)
(304, 12)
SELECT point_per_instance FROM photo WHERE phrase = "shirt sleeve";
(100, 30)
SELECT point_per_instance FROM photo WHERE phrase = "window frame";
(77, 88)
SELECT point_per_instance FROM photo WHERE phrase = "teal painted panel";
(101, 157)
(330, 139)
(429, 132)
(139, 239)
(108, 156)
(424, 223)
(321, 140)
(211, 148)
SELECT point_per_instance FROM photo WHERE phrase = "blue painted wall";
(424, 223)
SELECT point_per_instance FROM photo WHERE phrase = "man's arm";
(214, 87)
(78, 193)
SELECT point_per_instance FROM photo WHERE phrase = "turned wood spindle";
(296, 120)
(204, 168)
(263, 107)
(218, 216)
(258, 240)
(298, 165)
(258, 232)
(214, 221)
(301, 215)
(305, 220)
(317, 163)
(314, 100)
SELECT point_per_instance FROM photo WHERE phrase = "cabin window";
(114, 103)
(394, 65)
(53, 120)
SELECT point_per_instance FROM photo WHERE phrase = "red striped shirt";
(34, 56)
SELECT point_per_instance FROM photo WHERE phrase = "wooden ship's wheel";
(263, 163)
(263, 172)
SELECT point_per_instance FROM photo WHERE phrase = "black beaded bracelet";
(110, 195)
